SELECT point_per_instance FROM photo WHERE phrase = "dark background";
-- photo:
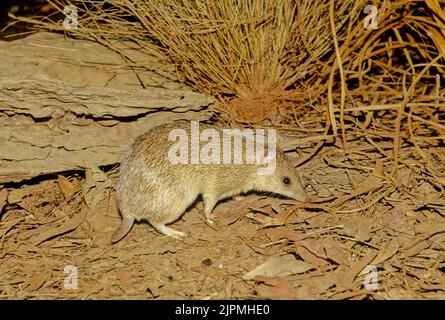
(23, 8)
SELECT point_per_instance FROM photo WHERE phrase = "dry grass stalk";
(282, 60)
(389, 106)
(227, 47)
(400, 62)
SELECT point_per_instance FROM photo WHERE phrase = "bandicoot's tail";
(127, 223)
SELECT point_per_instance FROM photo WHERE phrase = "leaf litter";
(261, 247)
(373, 230)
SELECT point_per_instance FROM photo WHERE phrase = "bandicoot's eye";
(286, 180)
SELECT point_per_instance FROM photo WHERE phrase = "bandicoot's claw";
(210, 218)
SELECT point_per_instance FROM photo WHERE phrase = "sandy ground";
(366, 235)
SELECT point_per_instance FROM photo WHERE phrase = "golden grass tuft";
(236, 48)
(370, 105)
(304, 65)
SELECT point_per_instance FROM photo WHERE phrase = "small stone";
(207, 262)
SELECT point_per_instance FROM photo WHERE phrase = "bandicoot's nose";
(302, 197)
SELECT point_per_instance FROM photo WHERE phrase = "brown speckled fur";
(153, 189)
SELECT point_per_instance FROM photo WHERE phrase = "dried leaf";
(125, 279)
(369, 184)
(37, 280)
(430, 227)
(284, 232)
(310, 257)
(399, 222)
(8, 225)
(67, 226)
(387, 251)
(347, 279)
(315, 246)
(358, 227)
(336, 253)
(17, 195)
(279, 266)
(69, 188)
(95, 186)
(274, 293)
(417, 248)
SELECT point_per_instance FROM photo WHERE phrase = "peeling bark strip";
(66, 104)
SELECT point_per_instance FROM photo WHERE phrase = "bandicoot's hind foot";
(127, 223)
(169, 231)
(210, 218)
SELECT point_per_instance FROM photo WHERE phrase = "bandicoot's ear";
(270, 158)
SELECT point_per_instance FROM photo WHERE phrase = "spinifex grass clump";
(278, 57)
(236, 47)
(247, 49)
